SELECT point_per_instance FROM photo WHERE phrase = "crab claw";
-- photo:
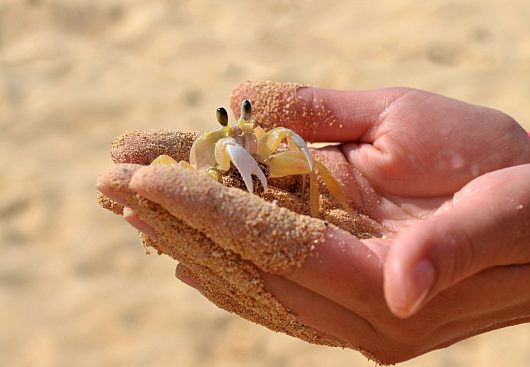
(300, 143)
(271, 140)
(228, 150)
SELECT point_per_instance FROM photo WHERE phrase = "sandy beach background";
(76, 289)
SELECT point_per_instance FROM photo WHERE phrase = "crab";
(249, 148)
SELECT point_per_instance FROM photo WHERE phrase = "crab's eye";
(246, 110)
(222, 116)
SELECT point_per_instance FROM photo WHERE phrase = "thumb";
(487, 225)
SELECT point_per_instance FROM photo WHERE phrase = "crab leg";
(334, 187)
(288, 163)
(295, 163)
(163, 159)
(228, 150)
(167, 160)
(314, 197)
(271, 140)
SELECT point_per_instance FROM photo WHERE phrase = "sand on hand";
(224, 237)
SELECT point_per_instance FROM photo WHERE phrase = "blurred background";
(76, 289)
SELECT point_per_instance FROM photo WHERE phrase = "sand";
(75, 286)
(265, 231)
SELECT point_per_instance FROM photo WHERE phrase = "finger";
(174, 237)
(192, 248)
(322, 314)
(483, 294)
(185, 275)
(134, 220)
(108, 204)
(114, 194)
(316, 114)
(479, 300)
(113, 184)
(272, 237)
(143, 146)
(230, 283)
(306, 250)
(492, 299)
(228, 297)
(486, 227)
(112, 187)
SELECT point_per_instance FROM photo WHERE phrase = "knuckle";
(458, 255)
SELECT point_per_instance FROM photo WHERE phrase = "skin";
(451, 181)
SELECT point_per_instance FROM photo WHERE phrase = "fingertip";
(406, 290)
(134, 220)
(274, 104)
(393, 296)
(185, 275)
(109, 204)
(392, 271)
(409, 273)
(114, 182)
(141, 178)
(162, 184)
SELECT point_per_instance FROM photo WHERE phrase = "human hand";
(422, 165)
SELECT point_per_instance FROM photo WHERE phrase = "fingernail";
(417, 285)
(130, 217)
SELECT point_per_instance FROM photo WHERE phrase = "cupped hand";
(451, 182)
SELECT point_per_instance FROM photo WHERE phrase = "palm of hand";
(407, 159)
(423, 149)
(421, 156)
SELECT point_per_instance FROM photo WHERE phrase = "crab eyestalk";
(246, 110)
(222, 116)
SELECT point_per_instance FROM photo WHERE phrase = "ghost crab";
(250, 148)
